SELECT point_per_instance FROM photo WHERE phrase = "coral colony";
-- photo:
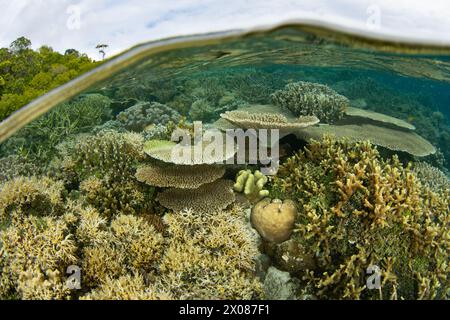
(239, 186)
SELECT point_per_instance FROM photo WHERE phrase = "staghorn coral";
(175, 176)
(274, 219)
(128, 287)
(210, 256)
(36, 252)
(393, 139)
(30, 196)
(142, 114)
(207, 198)
(128, 244)
(251, 184)
(357, 210)
(312, 99)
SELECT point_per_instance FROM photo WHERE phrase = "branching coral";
(312, 99)
(139, 116)
(357, 210)
(30, 196)
(431, 177)
(36, 253)
(210, 256)
(251, 184)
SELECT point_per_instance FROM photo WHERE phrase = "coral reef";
(251, 184)
(175, 176)
(312, 99)
(274, 219)
(201, 110)
(143, 114)
(201, 263)
(377, 117)
(358, 210)
(209, 197)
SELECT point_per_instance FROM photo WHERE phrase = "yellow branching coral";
(112, 197)
(209, 197)
(37, 196)
(358, 210)
(176, 176)
(210, 256)
(33, 244)
(129, 244)
(129, 287)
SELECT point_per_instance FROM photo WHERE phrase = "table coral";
(357, 210)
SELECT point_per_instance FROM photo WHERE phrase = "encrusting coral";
(274, 219)
(358, 210)
(312, 99)
(209, 197)
(251, 184)
(139, 116)
(176, 176)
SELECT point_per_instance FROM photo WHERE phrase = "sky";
(82, 24)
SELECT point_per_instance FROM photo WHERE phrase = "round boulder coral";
(274, 219)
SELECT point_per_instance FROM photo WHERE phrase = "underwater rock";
(291, 256)
(142, 114)
(274, 219)
(278, 285)
(209, 197)
(251, 184)
(393, 139)
(312, 99)
(176, 176)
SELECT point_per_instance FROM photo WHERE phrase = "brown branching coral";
(358, 210)
(176, 176)
(312, 99)
(208, 197)
(210, 256)
(36, 196)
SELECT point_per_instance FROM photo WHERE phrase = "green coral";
(312, 99)
(251, 184)
(357, 210)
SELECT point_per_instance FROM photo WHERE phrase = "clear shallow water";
(91, 146)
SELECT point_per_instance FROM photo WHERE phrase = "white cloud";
(123, 23)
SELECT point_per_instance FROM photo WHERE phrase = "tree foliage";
(25, 74)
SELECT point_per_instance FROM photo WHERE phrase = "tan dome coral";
(207, 198)
(274, 220)
(174, 176)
